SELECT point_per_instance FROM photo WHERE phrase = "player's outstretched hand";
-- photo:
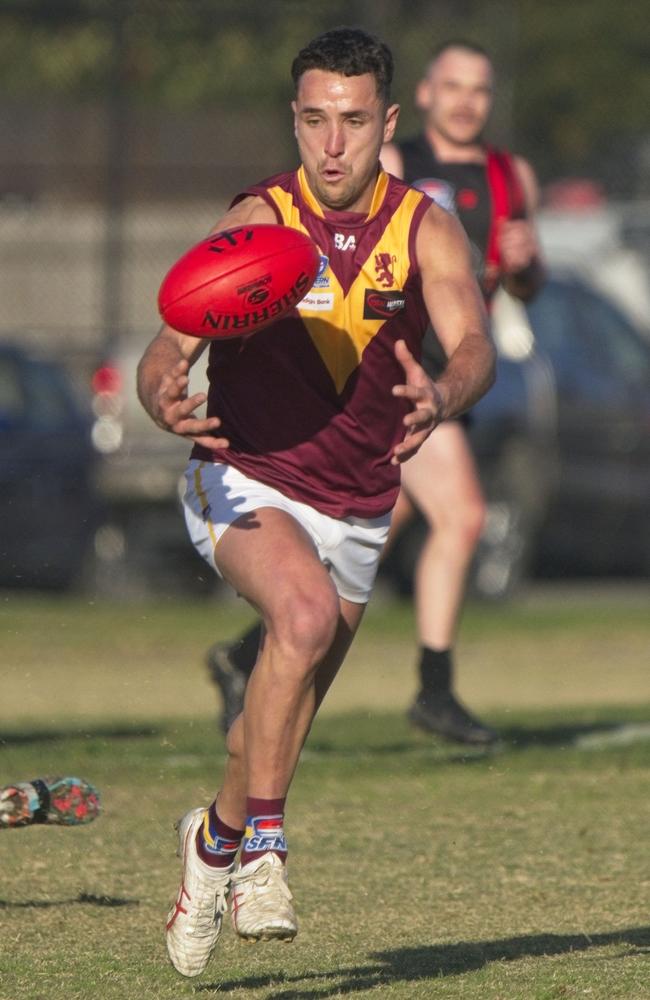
(175, 410)
(426, 400)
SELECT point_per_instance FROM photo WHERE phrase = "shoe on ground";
(19, 804)
(194, 921)
(230, 680)
(67, 801)
(261, 901)
(447, 717)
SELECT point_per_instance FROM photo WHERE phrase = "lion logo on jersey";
(384, 264)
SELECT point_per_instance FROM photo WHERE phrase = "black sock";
(436, 672)
(243, 651)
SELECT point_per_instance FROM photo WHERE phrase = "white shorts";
(217, 494)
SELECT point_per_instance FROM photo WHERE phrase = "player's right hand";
(175, 410)
(517, 245)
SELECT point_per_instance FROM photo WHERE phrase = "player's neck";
(447, 151)
(366, 202)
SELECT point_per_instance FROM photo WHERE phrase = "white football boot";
(261, 900)
(194, 921)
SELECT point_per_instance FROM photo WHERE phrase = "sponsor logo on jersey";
(384, 264)
(265, 833)
(317, 302)
(322, 279)
(343, 242)
(442, 192)
(378, 304)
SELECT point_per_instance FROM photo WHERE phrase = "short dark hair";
(458, 43)
(350, 52)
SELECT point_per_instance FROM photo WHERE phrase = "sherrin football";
(238, 281)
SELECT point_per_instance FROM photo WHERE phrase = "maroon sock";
(264, 829)
(216, 842)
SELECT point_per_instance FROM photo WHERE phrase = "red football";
(238, 281)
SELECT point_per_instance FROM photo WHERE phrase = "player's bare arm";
(523, 269)
(163, 372)
(246, 212)
(455, 306)
(456, 310)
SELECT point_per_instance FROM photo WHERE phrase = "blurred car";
(142, 546)
(562, 442)
(598, 512)
(48, 505)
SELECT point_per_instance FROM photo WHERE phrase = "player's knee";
(461, 527)
(305, 630)
(473, 521)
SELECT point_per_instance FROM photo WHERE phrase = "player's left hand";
(427, 402)
(517, 244)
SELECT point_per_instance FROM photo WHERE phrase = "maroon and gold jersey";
(306, 403)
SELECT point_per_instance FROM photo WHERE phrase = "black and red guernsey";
(482, 195)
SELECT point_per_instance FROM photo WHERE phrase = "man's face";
(456, 96)
(340, 125)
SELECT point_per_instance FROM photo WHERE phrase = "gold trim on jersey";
(378, 195)
(290, 212)
(305, 190)
(335, 321)
(288, 209)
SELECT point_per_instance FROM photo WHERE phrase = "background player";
(494, 195)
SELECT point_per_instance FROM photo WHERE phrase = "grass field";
(418, 871)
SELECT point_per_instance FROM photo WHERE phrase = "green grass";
(418, 871)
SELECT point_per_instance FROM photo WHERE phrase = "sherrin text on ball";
(238, 280)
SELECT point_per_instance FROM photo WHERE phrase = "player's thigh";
(442, 479)
(270, 560)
